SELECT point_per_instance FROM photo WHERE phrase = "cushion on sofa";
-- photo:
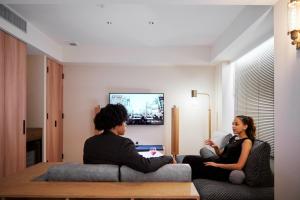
(221, 139)
(218, 190)
(257, 169)
(237, 176)
(83, 172)
(225, 140)
(179, 158)
(207, 153)
(167, 173)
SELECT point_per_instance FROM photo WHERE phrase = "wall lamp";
(195, 94)
(294, 21)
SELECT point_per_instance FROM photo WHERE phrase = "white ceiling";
(174, 24)
(193, 32)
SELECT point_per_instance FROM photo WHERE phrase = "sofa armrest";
(167, 173)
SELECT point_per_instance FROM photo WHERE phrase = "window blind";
(254, 89)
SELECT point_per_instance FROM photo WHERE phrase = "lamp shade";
(194, 93)
(294, 15)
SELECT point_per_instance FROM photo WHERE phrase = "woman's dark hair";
(251, 128)
(110, 116)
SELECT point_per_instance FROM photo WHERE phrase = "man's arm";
(131, 158)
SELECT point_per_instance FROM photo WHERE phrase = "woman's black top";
(232, 151)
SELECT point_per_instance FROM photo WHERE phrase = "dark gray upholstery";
(258, 171)
(216, 190)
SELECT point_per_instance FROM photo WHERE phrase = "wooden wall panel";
(11, 126)
(60, 110)
(54, 110)
(22, 71)
(175, 131)
(49, 114)
(2, 72)
(15, 104)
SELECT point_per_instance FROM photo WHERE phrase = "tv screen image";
(142, 108)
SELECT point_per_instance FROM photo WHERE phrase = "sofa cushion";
(225, 140)
(167, 173)
(237, 176)
(179, 158)
(221, 139)
(207, 153)
(83, 172)
(212, 190)
(257, 169)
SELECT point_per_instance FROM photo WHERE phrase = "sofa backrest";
(258, 171)
(112, 173)
(167, 173)
(83, 172)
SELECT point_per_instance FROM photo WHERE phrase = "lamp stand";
(209, 123)
(194, 94)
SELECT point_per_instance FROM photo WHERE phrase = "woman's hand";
(210, 143)
(213, 145)
(212, 164)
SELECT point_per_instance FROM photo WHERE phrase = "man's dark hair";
(110, 116)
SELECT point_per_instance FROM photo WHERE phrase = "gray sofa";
(114, 173)
(256, 184)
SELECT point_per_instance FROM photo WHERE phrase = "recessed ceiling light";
(100, 5)
(74, 44)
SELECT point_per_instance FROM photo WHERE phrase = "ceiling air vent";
(14, 19)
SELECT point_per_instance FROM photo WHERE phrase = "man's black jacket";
(108, 148)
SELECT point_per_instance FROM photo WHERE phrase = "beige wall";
(87, 85)
(287, 109)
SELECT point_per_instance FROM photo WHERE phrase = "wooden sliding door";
(2, 104)
(13, 97)
(54, 111)
(22, 104)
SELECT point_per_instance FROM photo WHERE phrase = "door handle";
(55, 123)
(24, 127)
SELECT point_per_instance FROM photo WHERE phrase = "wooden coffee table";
(21, 185)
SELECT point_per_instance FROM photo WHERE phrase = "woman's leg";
(196, 163)
(199, 170)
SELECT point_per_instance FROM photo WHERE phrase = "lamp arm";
(208, 98)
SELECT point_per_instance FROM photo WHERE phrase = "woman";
(110, 148)
(233, 157)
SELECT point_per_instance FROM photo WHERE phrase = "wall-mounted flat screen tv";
(142, 108)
